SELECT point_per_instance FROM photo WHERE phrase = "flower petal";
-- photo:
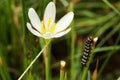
(62, 33)
(48, 37)
(34, 19)
(64, 22)
(49, 15)
(36, 33)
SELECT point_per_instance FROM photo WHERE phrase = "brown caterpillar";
(87, 49)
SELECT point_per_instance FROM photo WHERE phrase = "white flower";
(48, 28)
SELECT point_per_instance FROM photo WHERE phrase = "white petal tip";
(28, 24)
(71, 14)
(51, 3)
(31, 9)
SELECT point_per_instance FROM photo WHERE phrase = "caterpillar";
(87, 49)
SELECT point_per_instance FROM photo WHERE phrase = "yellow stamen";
(53, 28)
(48, 23)
(42, 26)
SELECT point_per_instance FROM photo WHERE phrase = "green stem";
(107, 48)
(61, 74)
(47, 68)
(33, 61)
(72, 45)
(47, 61)
(62, 70)
(23, 20)
(85, 69)
(111, 6)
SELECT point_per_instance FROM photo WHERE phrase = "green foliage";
(18, 47)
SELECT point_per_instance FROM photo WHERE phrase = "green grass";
(18, 47)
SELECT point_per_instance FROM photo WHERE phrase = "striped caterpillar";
(87, 49)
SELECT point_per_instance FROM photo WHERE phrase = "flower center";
(49, 29)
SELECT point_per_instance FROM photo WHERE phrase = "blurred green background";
(18, 46)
